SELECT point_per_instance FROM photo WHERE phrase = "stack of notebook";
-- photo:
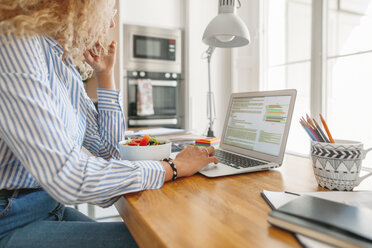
(331, 222)
(208, 142)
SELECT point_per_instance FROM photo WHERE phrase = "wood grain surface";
(216, 212)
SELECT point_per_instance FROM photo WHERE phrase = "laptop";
(255, 133)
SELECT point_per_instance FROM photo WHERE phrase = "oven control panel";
(154, 75)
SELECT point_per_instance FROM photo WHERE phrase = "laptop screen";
(257, 123)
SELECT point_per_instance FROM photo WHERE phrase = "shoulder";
(22, 53)
(12, 41)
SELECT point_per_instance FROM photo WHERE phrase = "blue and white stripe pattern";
(45, 119)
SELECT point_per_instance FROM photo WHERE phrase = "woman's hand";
(103, 65)
(191, 160)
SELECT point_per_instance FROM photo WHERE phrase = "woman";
(46, 117)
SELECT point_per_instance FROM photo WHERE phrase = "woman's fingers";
(213, 159)
(102, 60)
(112, 47)
(208, 150)
(203, 150)
(88, 57)
(209, 153)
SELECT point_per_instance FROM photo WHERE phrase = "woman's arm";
(105, 128)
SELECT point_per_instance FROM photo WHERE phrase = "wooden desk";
(220, 212)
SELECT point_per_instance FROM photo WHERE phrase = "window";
(346, 87)
(349, 69)
(287, 59)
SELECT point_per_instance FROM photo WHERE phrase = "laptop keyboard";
(236, 161)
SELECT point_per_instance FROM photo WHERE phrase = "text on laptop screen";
(257, 123)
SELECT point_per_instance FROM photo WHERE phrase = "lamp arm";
(211, 110)
(207, 54)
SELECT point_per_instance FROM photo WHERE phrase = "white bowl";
(135, 153)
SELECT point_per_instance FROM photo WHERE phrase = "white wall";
(245, 60)
(158, 13)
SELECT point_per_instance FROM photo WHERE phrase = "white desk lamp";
(225, 30)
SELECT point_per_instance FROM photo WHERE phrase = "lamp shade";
(226, 29)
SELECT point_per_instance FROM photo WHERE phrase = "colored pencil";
(308, 131)
(321, 131)
(303, 120)
(312, 125)
(310, 121)
(326, 129)
(313, 132)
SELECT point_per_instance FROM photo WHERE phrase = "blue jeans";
(37, 220)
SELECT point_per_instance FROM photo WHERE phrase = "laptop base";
(218, 170)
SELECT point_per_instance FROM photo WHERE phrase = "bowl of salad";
(144, 148)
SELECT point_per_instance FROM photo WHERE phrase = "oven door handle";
(165, 83)
(153, 122)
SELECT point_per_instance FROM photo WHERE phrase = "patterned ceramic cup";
(337, 165)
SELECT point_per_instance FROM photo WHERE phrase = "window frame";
(318, 99)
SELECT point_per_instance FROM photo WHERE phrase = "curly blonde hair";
(77, 25)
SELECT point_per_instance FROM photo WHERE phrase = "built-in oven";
(153, 55)
(166, 99)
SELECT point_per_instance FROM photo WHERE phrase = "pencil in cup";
(315, 129)
(307, 130)
(314, 132)
(318, 130)
(309, 121)
(309, 127)
(321, 131)
(326, 129)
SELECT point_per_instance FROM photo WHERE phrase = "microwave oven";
(152, 49)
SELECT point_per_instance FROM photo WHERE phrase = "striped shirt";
(45, 119)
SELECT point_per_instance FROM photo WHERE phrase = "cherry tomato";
(145, 140)
(134, 142)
